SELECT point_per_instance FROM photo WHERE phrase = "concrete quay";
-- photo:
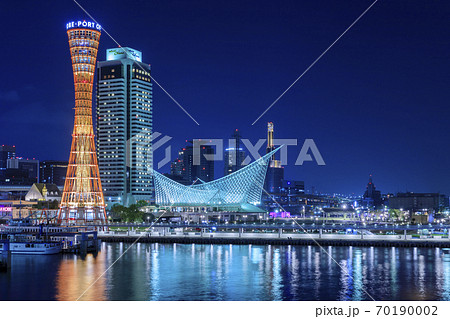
(240, 238)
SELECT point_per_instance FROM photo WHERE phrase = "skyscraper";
(234, 154)
(192, 164)
(270, 145)
(176, 167)
(124, 126)
(82, 200)
(275, 172)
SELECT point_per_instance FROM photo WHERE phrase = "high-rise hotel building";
(124, 126)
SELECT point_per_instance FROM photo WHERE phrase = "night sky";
(376, 103)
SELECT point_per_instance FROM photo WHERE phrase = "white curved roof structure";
(244, 186)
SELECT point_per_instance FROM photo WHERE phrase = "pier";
(275, 241)
(86, 239)
(74, 240)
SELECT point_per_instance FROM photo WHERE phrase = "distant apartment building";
(53, 172)
(292, 188)
(192, 165)
(6, 152)
(20, 171)
(419, 202)
(124, 126)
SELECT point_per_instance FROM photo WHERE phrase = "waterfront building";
(53, 172)
(419, 202)
(300, 203)
(15, 208)
(124, 126)
(234, 155)
(237, 192)
(288, 197)
(82, 199)
(43, 192)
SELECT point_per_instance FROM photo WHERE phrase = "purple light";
(280, 214)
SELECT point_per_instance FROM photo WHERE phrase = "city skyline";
(237, 151)
(402, 144)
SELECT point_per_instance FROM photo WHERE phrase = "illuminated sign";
(123, 53)
(83, 24)
(5, 209)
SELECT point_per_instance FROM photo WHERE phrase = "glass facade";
(244, 186)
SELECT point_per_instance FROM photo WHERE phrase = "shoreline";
(419, 243)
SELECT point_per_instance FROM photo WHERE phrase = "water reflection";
(75, 276)
(232, 272)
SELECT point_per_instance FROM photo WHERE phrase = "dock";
(278, 238)
(279, 241)
(74, 240)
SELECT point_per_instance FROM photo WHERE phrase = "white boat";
(35, 248)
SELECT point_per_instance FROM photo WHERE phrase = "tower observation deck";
(82, 200)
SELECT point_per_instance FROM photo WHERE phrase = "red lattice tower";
(82, 200)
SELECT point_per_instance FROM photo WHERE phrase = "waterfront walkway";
(279, 238)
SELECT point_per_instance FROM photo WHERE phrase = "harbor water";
(231, 272)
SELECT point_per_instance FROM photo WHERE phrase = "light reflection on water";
(232, 272)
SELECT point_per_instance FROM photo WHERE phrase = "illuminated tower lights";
(271, 146)
(275, 172)
(82, 200)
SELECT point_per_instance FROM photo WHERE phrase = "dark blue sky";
(377, 102)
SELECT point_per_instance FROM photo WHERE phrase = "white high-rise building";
(124, 126)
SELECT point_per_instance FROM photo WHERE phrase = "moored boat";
(35, 248)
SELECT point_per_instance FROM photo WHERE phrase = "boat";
(35, 248)
(20, 222)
